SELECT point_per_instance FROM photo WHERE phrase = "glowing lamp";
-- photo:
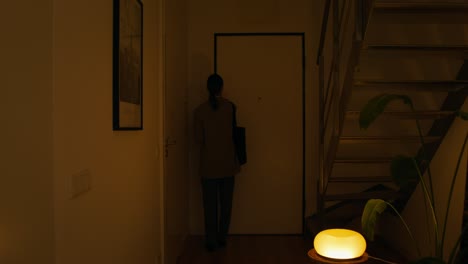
(339, 244)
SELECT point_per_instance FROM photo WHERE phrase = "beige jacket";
(213, 132)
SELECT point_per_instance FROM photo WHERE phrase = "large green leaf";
(376, 106)
(370, 215)
(462, 115)
(403, 171)
(463, 253)
(429, 260)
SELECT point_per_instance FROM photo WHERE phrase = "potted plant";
(404, 169)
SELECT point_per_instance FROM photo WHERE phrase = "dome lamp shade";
(339, 244)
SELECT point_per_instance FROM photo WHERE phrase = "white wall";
(57, 114)
(442, 170)
(26, 165)
(118, 220)
(207, 17)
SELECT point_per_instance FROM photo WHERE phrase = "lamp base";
(319, 259)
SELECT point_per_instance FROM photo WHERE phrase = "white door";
(263, 75)
(175, 168)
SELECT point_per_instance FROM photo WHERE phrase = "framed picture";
(128, 65)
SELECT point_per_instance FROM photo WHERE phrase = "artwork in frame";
(128, 65)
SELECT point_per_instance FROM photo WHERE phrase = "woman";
(218, 161)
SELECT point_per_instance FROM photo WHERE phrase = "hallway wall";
(207, 17)
(26, 137)
(118, 220)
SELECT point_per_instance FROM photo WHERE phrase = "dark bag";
(238, 135)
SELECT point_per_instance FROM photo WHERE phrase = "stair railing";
(344, 25)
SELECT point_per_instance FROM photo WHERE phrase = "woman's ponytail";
(214, 85)
(213, 101)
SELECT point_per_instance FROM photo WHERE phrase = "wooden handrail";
(326, 13)
(335, 94)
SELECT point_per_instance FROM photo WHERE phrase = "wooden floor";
(260, 250)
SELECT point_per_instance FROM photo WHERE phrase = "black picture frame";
(128, 65)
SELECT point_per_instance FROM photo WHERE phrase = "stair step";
(407, 115)
(420, 12)
(363, 161)
(408, 6)
(386, 139)
(360, 179)
(362, 196)
(422, 85)
(459, 51)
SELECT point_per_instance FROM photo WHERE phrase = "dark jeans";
(214, 189)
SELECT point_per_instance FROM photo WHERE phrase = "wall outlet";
(80, 183)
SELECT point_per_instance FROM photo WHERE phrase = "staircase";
(370, 47)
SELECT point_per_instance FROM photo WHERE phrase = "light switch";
(80, 183)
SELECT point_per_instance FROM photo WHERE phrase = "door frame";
(161, 250)
(286, 34)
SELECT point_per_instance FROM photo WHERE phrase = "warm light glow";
(340, 244)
